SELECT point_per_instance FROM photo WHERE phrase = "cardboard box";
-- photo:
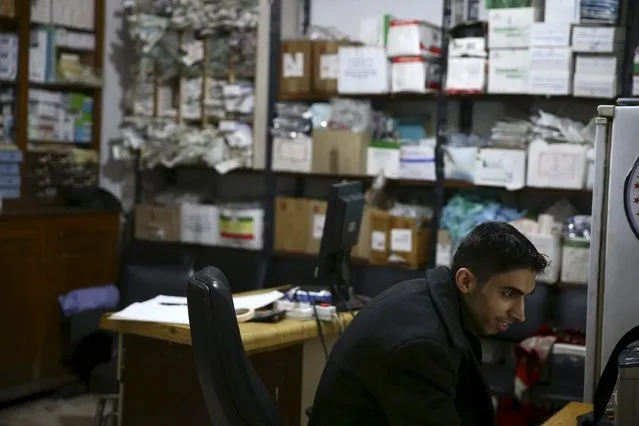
(501, 167)
(595, 86)
(509, 71)
(597, 39)
(200, 224)
(316, 219)
(408, 242)
(511, 28)
(296, 67)
(414, 74)
(292, 155)
(413, 38)
(7, 8)
(550, 83)
(326, 65)
(556, 165)
(340, 152)
(363, 248)
(466, 75)
(417, 161)
(383, 157)
(597, 64)
(363, 70)
(547, 34)
(291, 224)
(158, 223)
(550, 246)
(241, 227)
(373, 30)
(551, 59)
(380, 225)
(563, 11)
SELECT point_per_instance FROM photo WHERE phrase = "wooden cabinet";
(42, 257)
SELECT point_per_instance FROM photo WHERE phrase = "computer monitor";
(341, 233)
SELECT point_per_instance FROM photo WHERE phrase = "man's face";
(494, 305)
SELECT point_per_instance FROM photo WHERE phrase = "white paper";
(378, 241)
(174, 310)
(318, 226)
(401, 240)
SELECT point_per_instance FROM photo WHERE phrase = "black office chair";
(234, 394)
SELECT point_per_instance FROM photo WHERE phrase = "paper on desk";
(173, 310)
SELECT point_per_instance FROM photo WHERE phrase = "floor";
(77, 411)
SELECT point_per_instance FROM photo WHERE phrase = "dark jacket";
(406, 360)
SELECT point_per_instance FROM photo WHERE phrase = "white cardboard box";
(414, 74)
(594, 64)
(546, 34)
(511, 28)
(551, 59)
(417, 161)
(383, 157)
(413, 38)
(501, 167)
(557, 83)
(508, 71)
(466, 75)
(362, 70)
(595, 86)
(562, 11)
(597, 39)
(199, 224)
(556, 165)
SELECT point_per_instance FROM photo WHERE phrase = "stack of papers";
(174, 310)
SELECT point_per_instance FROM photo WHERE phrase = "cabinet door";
(20, 253)
(80, 252)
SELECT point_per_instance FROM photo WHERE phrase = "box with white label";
(511, 28)
(597, 39)
(501, 167)
(594, 64)
(414, 74)
(413, 38)
(382, 157)
(595, 86)
(546, 34)
(562, 11)
(466, 75)
(408, 242)
(555, 83)
(199, 224)
(508, 71)
(551, 59)
(292, 155)
(317, 217)
(296, 66)
(556, 165)
(363, 70)
(417, 161)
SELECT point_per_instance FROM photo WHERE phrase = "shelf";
(64, 86)
(485, 97)
(282, 254)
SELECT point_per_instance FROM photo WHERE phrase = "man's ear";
(465, 280)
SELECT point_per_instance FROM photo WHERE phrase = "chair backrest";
(233, 392)
(148, 269)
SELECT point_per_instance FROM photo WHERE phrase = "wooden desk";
(157, 369)
(568, 415)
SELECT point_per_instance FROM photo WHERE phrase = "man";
(411, 357)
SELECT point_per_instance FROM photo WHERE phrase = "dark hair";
(494, 248)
